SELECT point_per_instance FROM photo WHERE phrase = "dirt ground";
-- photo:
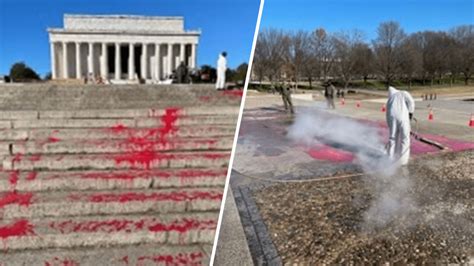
(429, 219)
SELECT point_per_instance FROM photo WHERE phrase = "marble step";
(143, 255)
(117, 146)
(104, 231)
(114, 132)
(19, 204)
(111, 123)
(129, 160)
(111, 179)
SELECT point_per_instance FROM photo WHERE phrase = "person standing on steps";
(221, 69)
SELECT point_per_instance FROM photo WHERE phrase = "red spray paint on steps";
(192, 259)
(125, 225)
(17, 229)
(61, 262)
(14, 177)
(31, 176)
(14, 197)
(146, 174)
(140, 148)
(236, 94)
(156, 196)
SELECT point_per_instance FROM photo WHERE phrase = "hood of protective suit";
(392, 91)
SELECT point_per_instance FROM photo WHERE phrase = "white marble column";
(104, 71)
(78, 60)
(118, 67)
(181, 52)
(144, 61)
(131, 61)
(193, 55)
(65, 61)
(54, 73)
(90, 65)
(170, 58)
(157, 61)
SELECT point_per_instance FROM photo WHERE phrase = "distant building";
(121, 47)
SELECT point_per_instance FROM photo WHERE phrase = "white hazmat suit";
(221, 69)
(400, 105)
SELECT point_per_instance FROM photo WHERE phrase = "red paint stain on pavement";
(330, 154)
(14, 197)
(194, 258)
(133, 196)
(17, 229)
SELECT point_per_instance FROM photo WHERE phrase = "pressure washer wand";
(423, 139)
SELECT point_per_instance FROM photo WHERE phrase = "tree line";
(426, 56)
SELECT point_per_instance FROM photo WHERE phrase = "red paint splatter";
(31, 176)
(16, 229)
(53, 139)
(156, 196)
(119, 128)
(141, 148)
(125, 225)
(17, 158)
(194, 258)
(142, 158)
(125, 259)
(63, 262)
(233, 93)
(14, 177)
(330, 154)
(14, 197)
(35, 157)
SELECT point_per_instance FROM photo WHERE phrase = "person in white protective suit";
(400, 108)
(221, 69)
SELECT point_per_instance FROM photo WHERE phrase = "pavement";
(265, 157)
(112, 175)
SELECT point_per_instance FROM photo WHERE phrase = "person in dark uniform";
(285, 92)
(329, 95)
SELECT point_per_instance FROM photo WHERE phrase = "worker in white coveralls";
(221, 69)
(400, 108)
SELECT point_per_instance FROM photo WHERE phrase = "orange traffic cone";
(383, 108)
(342, 101)
(471, 121)
(430, 115)
(358, 104)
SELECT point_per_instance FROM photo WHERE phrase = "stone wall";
(124, 23)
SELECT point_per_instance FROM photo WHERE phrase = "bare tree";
(270, 54)
(364, 61)
(387, 50)
(324, 49)
(297, 53)
(411, 59)
(345, 51)
(464, 39)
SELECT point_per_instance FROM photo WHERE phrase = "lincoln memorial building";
(121, 48)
